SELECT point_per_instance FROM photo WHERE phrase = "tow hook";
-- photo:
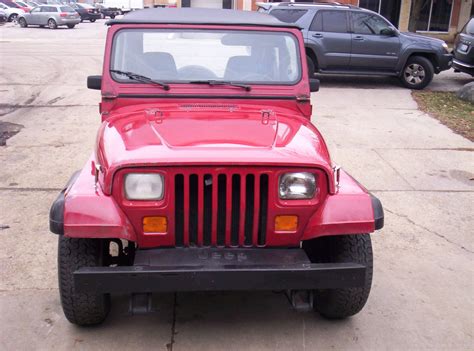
(301, 300)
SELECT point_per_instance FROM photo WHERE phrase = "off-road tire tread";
(80, 308)
(343, 303)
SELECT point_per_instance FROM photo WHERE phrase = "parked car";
(3, 17)
(464, 49)
(11, 12)
(86, 11)
(108, 11)
(24, 6)
(345, 39)
(208, 174)
(52, 16)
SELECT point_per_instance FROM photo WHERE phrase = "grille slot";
(213, 209)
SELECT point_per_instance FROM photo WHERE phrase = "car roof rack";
(317, 3)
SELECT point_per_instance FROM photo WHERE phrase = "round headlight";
(301, 185)
(144, 186)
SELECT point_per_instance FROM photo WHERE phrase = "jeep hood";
(151, 137)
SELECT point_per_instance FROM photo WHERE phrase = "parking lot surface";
(422, 295)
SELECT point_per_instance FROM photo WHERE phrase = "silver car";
(51, 16)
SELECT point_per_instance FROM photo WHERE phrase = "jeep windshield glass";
(184, 56)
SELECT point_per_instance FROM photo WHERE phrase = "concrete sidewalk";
(422, 295)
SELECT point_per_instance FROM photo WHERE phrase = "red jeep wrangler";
(208, 174)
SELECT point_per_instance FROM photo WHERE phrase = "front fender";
(352, 210)
(82, 210)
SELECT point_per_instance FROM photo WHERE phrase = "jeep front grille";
(217, 209)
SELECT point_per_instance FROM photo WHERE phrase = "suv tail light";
(63, 14)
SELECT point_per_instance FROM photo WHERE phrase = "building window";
(390, 9)
(430, 15)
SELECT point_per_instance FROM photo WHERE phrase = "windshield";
(188, 55)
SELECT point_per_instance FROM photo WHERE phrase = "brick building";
(439, 18)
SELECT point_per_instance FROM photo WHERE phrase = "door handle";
(317, 35)
(359, 38)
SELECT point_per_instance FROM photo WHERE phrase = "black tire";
(92, 20)
(417, 73)
(12, 17)
(112, 16)
(80, 308)
(52, 24)
(41, 26)
(311, 66)
(22, 22)
(71, 26)
(342, 303)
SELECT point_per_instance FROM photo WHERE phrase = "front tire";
(80, 308)
(12, 17)
(52, 24)
(92, 20)
(417, 73)
(357, 248)
(22, 23)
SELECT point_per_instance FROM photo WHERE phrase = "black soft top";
(200, 16)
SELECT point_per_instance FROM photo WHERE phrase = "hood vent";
(207, 107)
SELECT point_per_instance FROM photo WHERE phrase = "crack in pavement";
(393, 168)
(169, 346)
(409, 220)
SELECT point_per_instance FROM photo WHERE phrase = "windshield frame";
(186, 28)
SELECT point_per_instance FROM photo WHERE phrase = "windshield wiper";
(213, 82)
(140, 78)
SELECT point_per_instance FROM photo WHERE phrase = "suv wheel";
(22, 23)
(342, 303)
(52, 24)
(417, 73)
(80, 308)
(92, 20)
(12, 17)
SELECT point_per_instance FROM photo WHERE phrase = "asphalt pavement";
(422, 295)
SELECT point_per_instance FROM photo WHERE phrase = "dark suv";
(344, 39)
(464, 49)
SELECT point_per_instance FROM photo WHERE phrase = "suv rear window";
(67, 9)
(469, 27)
(288, 16)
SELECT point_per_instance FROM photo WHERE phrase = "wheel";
(92, 20)
(22, 22)
(417, 73)
(80, 308)
(71, 26)
(341, 303)
(41, 26)
(311, 66)
(112, 16)
(12, 17)
(52, 24)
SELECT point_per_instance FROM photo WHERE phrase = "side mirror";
(313, 85)
(389, 32)
(94, 82)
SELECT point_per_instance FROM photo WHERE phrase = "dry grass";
(453, 112)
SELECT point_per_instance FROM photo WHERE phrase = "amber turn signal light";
(286, 223)
(157, 224)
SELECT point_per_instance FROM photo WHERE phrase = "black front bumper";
(445, 62)
(206, 269)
